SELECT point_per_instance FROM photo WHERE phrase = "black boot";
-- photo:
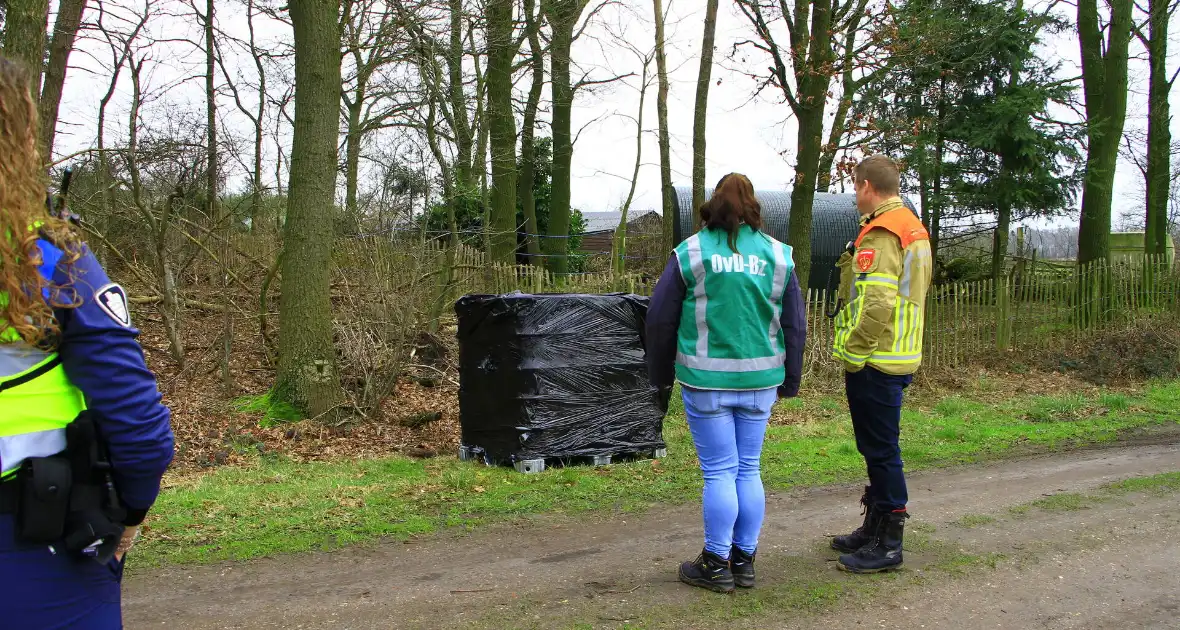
(741, 564)
(708, 571)
(863, 534)
(884, 553)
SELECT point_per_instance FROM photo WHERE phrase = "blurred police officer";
(84, 438)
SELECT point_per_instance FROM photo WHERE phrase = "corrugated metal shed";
(608, 221)
(834, 222)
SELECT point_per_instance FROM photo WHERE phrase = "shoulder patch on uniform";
(112, 299)
(865, 259)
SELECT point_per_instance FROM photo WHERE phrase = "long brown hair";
(23, 216)
(732, 204)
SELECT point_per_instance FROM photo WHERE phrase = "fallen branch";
(440, 372)
(155, 299)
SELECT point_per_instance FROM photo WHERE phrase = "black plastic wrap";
(553, 375)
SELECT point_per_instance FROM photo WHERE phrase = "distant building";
(1129, 247)
(600, 229)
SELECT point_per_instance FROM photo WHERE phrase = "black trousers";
(874, 400)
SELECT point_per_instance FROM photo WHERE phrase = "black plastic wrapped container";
(555, 376)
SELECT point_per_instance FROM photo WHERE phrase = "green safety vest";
(37, 401)
(730, 335)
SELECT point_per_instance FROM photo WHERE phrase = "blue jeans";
(728, 429)
(874, 401)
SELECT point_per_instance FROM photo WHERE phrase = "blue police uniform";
(41, 589)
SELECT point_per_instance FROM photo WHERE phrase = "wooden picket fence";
(1034, 307)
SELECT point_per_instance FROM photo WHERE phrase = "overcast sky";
(755, 137)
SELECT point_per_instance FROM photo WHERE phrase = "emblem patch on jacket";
(865, 258)
(113, 301)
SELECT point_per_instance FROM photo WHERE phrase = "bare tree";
(619, 244)
(255, 112)
(373, 98)
(667, 192)
(502, 49)
(307, 374)
(1158, 171)
(802, 70)
(528, 169)
(1104, 77)
(65, 31)
(25, 23)
(563, 17)
(701, 110)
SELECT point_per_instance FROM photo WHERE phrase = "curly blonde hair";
(24, 217)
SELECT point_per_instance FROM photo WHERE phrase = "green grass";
(273, 412)
(975, 520)
(278, 506)
(1166, 483)
(1063, 502)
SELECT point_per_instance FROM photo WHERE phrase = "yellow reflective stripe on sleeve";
(915, 328)
(845, 355)
(896, 357)
(877, 279)
(899, 323)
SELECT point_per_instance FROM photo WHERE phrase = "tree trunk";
(811, 127)
(307, 375)
(256, 210)
(528, 168)
(813, 79)
(65, 31)
(936, 204)
(217, 212)
(849, 86)
(563, 17)
(105, 176)
(1159, 136)
(667, 193)
(1000, 238)
(828, 155)
(701, 109)
(619, 245)
(458, 98)
(502, 130)
(1104, 77)
(352, 151)
(25, 23)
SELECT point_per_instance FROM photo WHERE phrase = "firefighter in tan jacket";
(883, 282)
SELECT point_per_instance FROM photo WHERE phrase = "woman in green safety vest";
(728, 322)
(68, 351)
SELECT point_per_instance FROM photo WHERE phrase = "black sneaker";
(884, 553)
(864, 534)
(741, 564)
(708, 571)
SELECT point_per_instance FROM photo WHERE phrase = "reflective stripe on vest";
(730, 332)
(701, 359)
(37, 401)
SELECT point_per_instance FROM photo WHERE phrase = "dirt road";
(978, 556)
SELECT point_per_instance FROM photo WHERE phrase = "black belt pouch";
(45, 484)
